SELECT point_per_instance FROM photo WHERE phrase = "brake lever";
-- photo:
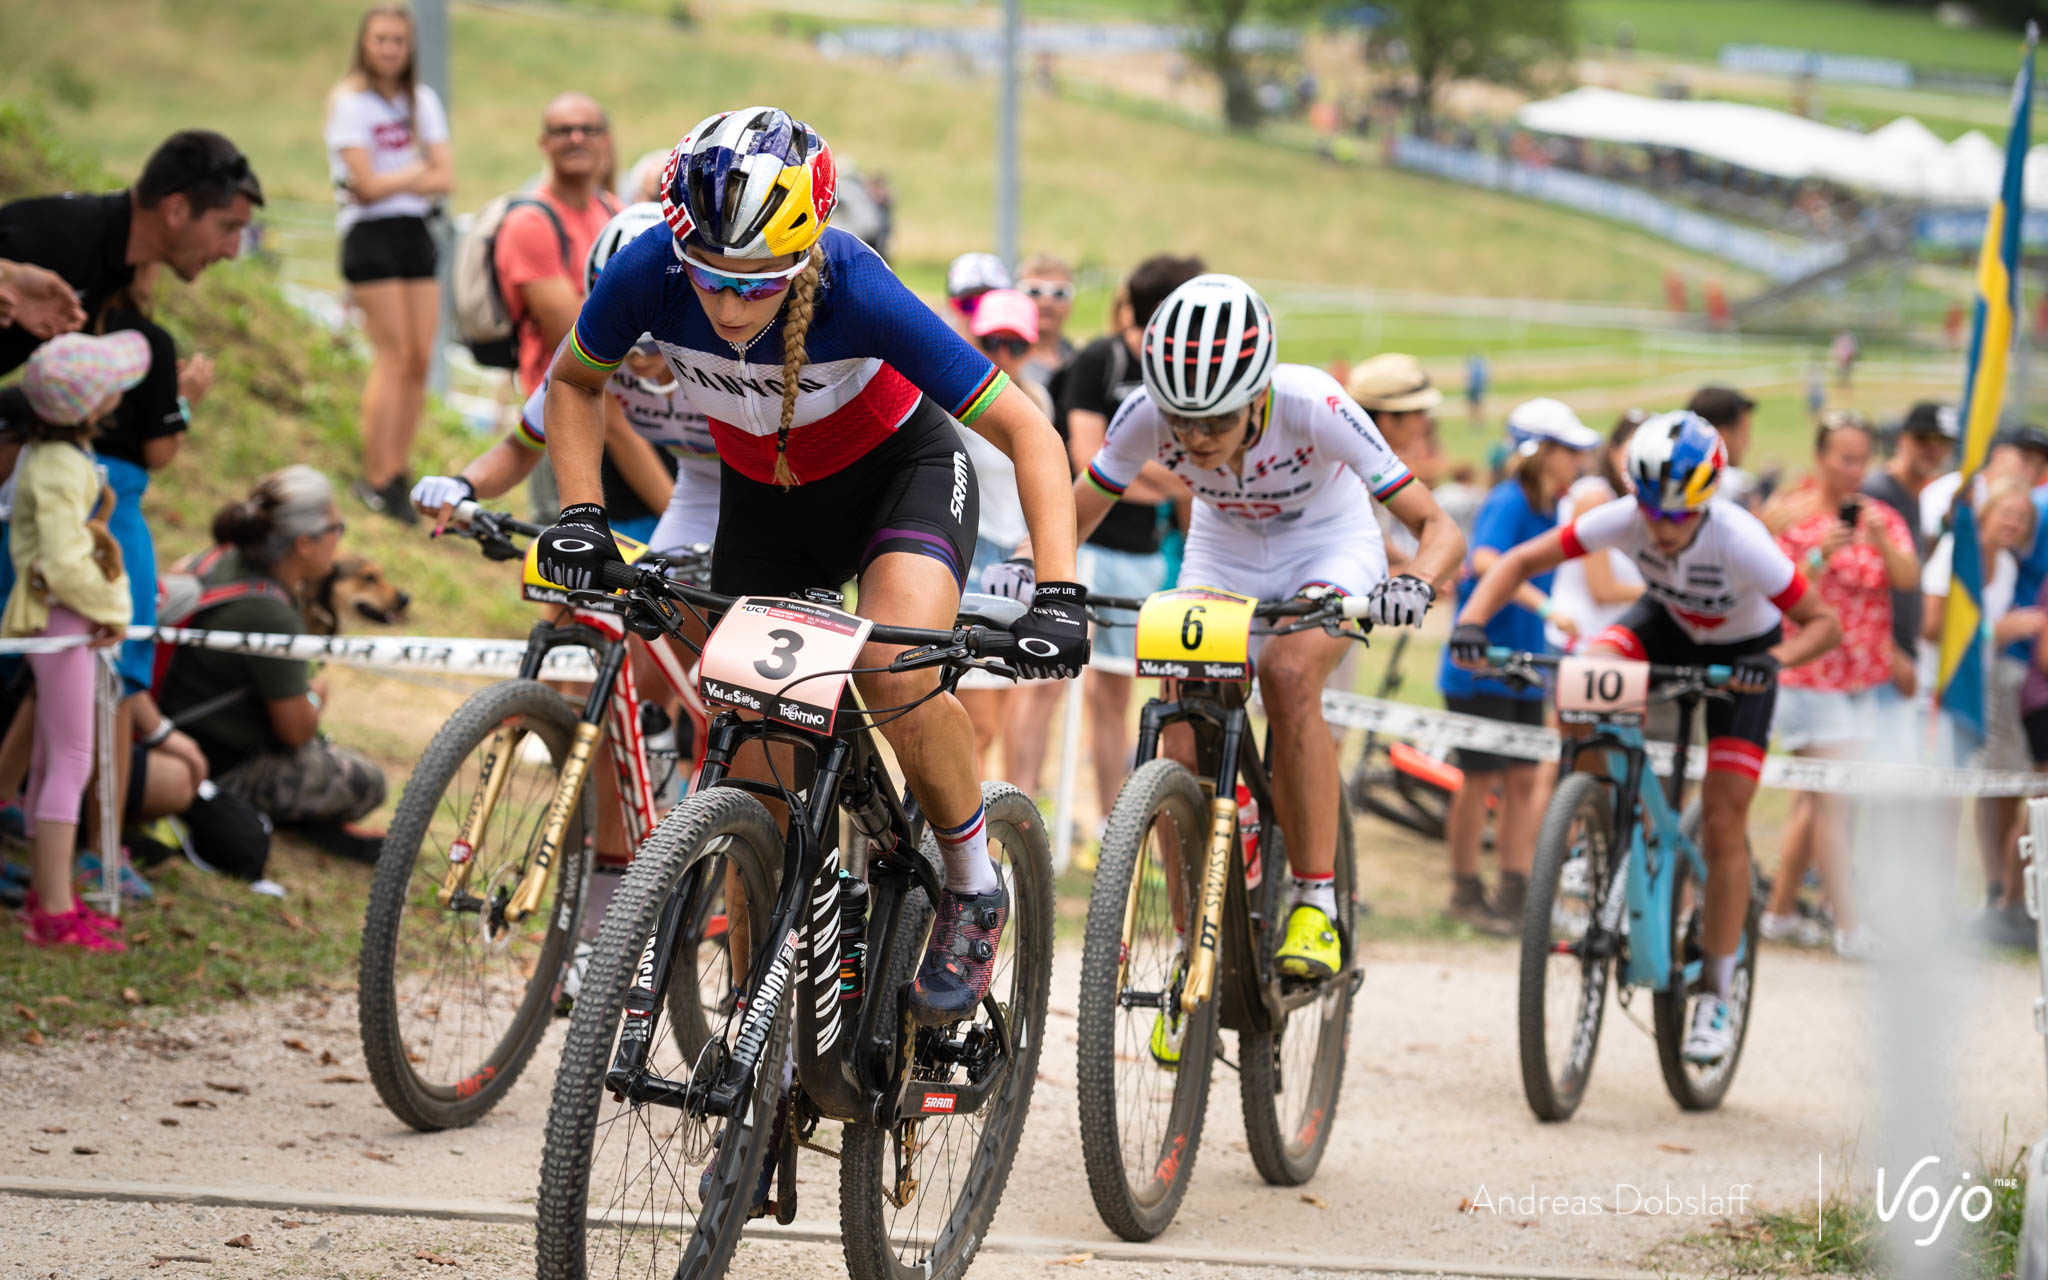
(926, 655)
(498, 548)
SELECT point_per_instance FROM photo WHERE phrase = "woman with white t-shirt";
(1596, 590)
(387, 149)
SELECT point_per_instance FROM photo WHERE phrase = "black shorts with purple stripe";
(913, 493)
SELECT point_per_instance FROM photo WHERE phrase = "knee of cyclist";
(1288, 685)
(1725, 826)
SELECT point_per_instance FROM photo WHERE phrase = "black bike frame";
(1228, 754)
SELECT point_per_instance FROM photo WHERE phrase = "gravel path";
(1432, 1118)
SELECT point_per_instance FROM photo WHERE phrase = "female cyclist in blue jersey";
(829, 388)
(1716, 587)
(1285, 468)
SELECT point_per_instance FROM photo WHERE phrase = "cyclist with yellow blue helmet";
(1716, 589)
(831, 393)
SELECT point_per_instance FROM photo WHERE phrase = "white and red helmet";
(1209, 349)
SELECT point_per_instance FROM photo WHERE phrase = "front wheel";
(1291, 1075)
(1563, 996)
(1693, 1086)
(662, 1187)
(454, 999)
(1143, 1070)
(916, 1198)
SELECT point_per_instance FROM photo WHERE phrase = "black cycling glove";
(1755, 672)
(1468, 645)
(574, 546)
(1401, 601)
(1052, 639)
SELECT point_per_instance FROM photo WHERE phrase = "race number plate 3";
(539, 590)
(1196, 633)
(786, 659)
(1590, 690)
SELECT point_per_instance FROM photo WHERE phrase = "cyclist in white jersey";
(1285, 467)
(1716, 587)
(643, 400)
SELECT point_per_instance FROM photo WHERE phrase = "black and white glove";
(1013, 579)
(1754, 672)
(574, 546)
(1468, 645)
(1401, 601)
(1052, 639)
(437, 494)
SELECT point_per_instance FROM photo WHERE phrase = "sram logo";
(959, 484)
(938, 1102)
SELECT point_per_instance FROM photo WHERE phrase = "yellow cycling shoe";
(1311, 949)
(1169, 1025)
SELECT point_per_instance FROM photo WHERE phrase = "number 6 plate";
(1196, 633)
(787, 659)
(1589, 690)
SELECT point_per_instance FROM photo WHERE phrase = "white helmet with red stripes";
(1209, 349)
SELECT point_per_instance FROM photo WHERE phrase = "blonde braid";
(803, 296)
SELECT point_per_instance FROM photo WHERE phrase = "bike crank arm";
(462, 853)
(526, 898)
(1201, 980)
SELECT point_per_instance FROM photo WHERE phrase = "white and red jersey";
(1315, 457)
(1731, 583)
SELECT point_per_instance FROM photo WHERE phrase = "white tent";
(1901, 159)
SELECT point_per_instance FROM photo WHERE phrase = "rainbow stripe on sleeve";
(1104, 483)
(1394, 486)
(583, 352)
(984, 395)
(526, 434)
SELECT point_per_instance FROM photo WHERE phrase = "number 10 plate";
(1614, 690)
(786, 659)
(1196, 633)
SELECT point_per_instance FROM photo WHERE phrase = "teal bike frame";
(1645, 885)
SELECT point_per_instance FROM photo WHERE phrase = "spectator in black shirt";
(1927, 440)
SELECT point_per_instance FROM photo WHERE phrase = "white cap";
(1534, 421)
(976, 273)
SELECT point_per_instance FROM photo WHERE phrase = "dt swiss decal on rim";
(786, 659)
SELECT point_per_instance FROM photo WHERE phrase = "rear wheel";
(916, 1198)
(1693, 1086)
(1141, 1118)
(455, 999)
(1290, 1076)
(643, 1188)
(1563, 996)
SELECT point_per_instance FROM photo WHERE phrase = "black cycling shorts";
(1738, 726)
(914, 492)
(399, 248)
(1493, 706)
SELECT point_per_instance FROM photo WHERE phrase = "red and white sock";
(1318, 891)
(965, 849)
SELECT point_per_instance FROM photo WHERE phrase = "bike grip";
(465, 511)
(1499, 654)
(617, 575)
(1356, 606)
(1718, 675)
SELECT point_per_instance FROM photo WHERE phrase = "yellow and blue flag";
(1959, 684)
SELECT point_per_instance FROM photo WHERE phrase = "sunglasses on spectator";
(750, 286)
(339, 526)
(570, 130)
(1007, 346)
(1045, 289)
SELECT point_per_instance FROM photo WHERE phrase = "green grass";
(1698, 29)
(203, 940)
(1103, 188)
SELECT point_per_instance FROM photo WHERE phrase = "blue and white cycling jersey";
(872, 351)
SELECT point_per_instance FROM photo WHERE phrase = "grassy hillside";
(1698, 30)
(1102, 187)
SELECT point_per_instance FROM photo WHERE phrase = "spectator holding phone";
(1856, 551)
(387, 149)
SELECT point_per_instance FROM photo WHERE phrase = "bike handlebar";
(1712, 677)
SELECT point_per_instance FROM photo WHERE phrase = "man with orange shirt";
(539, 258)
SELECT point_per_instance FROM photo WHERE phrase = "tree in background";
(1219, 21)
(1501, 41)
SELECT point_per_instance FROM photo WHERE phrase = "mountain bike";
(1178, 851)
(658, 1154)
(479, 891)
(1618, 882)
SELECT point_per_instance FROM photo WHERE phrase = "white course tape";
(1793, 773)
(445, 654)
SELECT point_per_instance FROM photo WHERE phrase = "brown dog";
(354, 587)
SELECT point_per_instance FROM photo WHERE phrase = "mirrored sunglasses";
(1216, 426)
(1666, 517)
(750, 286)
(1007, 346)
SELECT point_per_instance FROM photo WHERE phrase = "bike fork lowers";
(569, 790)
(1201, 981)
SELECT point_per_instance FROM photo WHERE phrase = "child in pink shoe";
(68, 581)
